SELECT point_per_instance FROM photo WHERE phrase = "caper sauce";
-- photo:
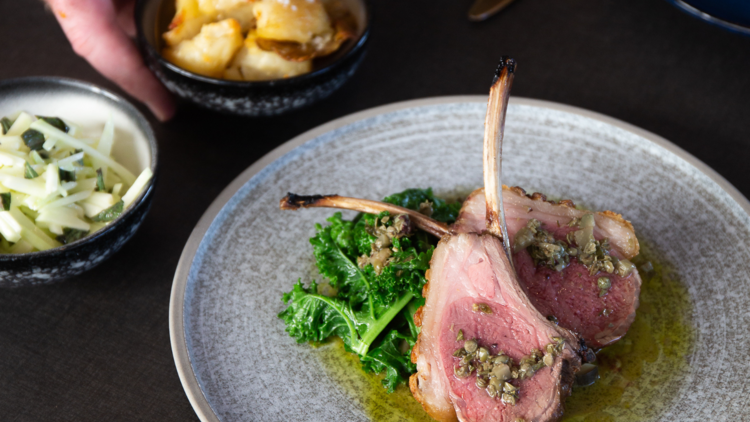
(547, 251)
(494, 373)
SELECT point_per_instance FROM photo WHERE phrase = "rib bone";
(494, 126)
(294, 202)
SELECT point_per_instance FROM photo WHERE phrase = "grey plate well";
(234, 359)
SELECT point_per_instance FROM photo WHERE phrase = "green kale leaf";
(336, 258)
(372, 311)
(412, 198)
(392, 358)
(311, 316)
(405, 273)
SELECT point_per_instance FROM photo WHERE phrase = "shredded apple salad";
(57, 186)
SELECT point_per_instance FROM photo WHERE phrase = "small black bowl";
(135, 148)
(263, 98)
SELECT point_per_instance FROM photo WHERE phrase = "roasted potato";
(209, 52)
(212, 7)
(242, 13)
(254, 64)
(291, 20)
(186, 30)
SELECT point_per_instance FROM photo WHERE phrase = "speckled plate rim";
(185, 371)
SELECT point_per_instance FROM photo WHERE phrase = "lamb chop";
(484, 351)
(595, 295)
(514, 363)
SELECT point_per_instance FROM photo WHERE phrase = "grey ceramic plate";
(236, 362)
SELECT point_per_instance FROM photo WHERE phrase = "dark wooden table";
(96, 347)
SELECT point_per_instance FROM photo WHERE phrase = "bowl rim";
(131, 112)
(700, 14)
(139, 11)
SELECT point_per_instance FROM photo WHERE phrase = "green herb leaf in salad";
(33, 139)
(71, 235)
(100, 180)
(56, 122)
(375, 267)
(29, 172)
(67, 175)
(5, 201)
(110, 213)
(6, 123)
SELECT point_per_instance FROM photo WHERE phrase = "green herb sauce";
(366, 390)
(639, 375)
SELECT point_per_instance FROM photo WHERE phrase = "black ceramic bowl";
(266, 98)
(135, 148)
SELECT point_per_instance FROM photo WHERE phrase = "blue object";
(733, 15)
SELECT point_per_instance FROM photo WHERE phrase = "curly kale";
(372, 311)
(413, 198)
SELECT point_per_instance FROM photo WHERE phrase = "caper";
(483, 354)
(509, 399)
(470, 345)
(587, 221)
(501, 372)
(465, 360)
(536, 353)
(604, 284)
(481, 307)
(500, 359)
(550, 349)
(461, 372)
(509, 388)
(492, 391)
(481, 382)
(460, 335)
(548, 359)
(524, 238)
(624, 267)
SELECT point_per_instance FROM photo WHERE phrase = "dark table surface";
(96, 347)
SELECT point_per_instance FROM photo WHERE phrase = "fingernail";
(164, 111)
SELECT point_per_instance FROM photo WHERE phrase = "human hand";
(100, 31)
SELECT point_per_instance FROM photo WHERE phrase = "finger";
(93, 32)
(125, 11)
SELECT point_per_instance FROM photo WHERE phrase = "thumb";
(92, 29)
